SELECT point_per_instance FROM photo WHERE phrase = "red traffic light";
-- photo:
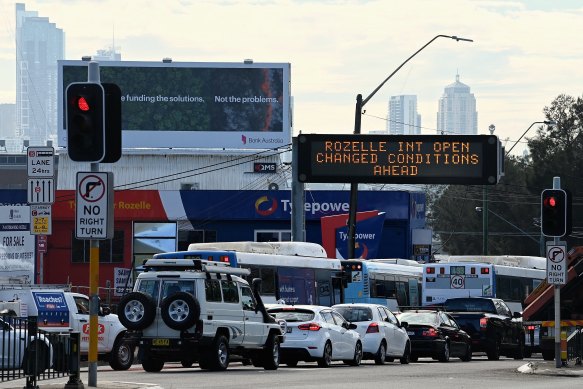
(550, 202)
(82, 104)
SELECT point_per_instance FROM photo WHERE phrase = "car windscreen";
(355, 314)
(427, 318)
(292, 315)
(469, 305)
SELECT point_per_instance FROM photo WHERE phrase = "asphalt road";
(426, 373)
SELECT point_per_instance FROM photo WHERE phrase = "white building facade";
(403, 117)
(457, 113)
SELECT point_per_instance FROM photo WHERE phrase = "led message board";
(399, 159)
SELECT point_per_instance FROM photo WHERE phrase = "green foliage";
(514, 204)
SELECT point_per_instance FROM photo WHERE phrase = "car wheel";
(493, 352)
(444, 356)
(152, 365)
(519, 352)
(271, 353)
(468, 354)
(187, 363)
(355, 361)
(180, 311)
(413, 358)
(406, 358)
(136, 311)
(326, 359)
(122, 355)
(218, 355)
(381, 354)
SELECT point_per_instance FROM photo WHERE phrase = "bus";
(291, 273)
(394, 285)
(507, 277)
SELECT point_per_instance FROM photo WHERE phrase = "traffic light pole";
(93, 76)
(557, 297)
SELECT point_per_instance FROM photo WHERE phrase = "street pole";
(557, 302)
(360, 103)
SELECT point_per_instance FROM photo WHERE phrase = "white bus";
(510, 278)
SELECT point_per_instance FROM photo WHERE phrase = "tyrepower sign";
(94, 205)
(400, 159)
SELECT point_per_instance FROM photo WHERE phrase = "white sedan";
(383, 337)
(14, 346)
(316, 333)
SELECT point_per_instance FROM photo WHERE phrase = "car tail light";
(372, 328)
(483, 323)
(530, 328)
(431, 332)
(430, 270)
(309, 327)
(485, 270)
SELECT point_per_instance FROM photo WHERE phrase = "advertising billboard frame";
(224, 118)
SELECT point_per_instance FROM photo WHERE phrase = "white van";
(62, 311)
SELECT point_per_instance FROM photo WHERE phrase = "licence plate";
(160, 342)
(410, 332)
(288, 330)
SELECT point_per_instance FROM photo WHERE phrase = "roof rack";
(194, 265)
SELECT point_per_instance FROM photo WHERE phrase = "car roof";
(364, 305)
(315, 308)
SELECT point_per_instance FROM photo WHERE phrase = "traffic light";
(555, 213)
(85, 112)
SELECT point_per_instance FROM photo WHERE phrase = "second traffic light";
(555, 213)
(93, 114)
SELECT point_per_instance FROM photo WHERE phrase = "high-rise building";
(39, 45)
(457, 113)
(109, 54)
(7, 121)
(403, 117)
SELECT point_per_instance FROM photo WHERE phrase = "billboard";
(193, 104)
(400, 159)
(17, 245)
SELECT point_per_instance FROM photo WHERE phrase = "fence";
(33, 354)
(575, 346)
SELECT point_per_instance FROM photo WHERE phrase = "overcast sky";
(525, 52)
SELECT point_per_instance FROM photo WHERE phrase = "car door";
(385, 328)
(254, 326)
(347, 341)
(334, 331)
(400, 337)
(456, 341)
(80, 322)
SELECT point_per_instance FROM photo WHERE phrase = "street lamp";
(547, 122)
(360, 103)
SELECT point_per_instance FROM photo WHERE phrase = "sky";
(524, 52)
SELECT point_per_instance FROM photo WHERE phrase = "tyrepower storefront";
(151, 221)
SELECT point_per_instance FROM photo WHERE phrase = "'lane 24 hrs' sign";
(94, 205)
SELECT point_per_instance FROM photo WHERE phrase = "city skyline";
(457, 110)
(524, 54)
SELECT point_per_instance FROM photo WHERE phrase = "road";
(423, 374)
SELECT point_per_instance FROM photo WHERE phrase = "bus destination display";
(410, 159)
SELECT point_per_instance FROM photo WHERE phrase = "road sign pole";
(557, 290)
(93, 76)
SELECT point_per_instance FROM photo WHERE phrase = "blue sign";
(52, 309)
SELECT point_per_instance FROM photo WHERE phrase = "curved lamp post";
(547, 122)
(357, 122)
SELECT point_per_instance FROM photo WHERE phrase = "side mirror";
(352, 326)
(516, 315)
(404, 324)
(105, 311)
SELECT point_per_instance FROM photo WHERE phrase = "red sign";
(41, 243)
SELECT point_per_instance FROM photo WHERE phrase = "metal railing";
(575, 346)
(33, 354)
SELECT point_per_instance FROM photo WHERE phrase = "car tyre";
(519, 352)
(136, 311)
(218, 355)
(406, 358)
(468, 354)
(122, 355)
(152, 365)
(444, 355)
(326, 359)
(180, 311)
(381, 355)
(413, 358)
(271, 353)
(493, 352)
(357, 359)
(187, 363)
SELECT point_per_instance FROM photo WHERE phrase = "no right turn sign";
(94, 205)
